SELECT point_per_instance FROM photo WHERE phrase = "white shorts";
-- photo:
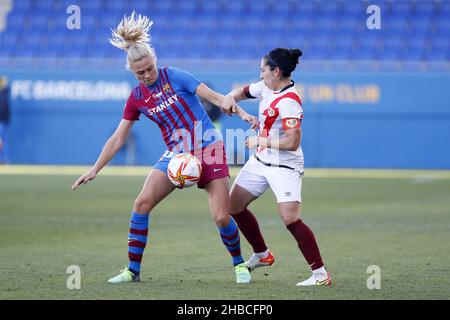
(256, 177)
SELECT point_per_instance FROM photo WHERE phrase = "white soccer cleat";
(125, 276)
(318, 279)
(255, 261)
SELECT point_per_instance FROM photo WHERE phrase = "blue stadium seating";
(197, 29)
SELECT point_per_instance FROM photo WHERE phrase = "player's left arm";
(216, 99)
(290, 141)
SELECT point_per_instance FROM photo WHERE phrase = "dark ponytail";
(295, 54)
(285, 59)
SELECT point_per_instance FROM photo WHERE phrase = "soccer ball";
(184, 170)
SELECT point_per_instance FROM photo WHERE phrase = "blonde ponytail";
(132, 35)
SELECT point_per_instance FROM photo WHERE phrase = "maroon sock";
(249, 227)
(307, 243)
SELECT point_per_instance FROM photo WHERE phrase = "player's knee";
(142, 205)
(287, 221)
(290, 218)
(222, 220)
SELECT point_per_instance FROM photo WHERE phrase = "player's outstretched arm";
(230, 103)
(114, 143)
(227, 104)
(214, 97)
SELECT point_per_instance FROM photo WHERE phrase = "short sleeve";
(184, 79)
(130, 112)
(256, 89)
(289, 108)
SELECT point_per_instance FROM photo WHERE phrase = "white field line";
(309, 173)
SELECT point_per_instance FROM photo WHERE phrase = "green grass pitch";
(396, 222)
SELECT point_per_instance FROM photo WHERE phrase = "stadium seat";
(349, 25)
(22, 5)
(395, 24)
(438, 54)
(54, 40)
(89, 21)
(47, 6)
(15, 21)
(32, 41)
(324, 25)
(343, 48)
(444, 8)
(277, 11)
(236, 8)
(234, 29)
(413, 55)
(424, 7)
(92, 5)
(401, 8)
(441, 25)
(7, 52)
(208, 8)
(329, 8)
(8, 40)
(440, 44)
(302, 7)
(353, 9)
(258, 8)
(116, 7)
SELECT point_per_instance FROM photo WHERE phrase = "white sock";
(262, 254)
(320, 272)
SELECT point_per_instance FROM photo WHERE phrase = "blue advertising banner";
(352, 120)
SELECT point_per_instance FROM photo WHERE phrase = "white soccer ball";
(184, 170)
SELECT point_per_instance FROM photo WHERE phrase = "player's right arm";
(252, 91)
(114, 143)
(229, 103)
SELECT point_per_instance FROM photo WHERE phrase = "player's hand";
(85, 178)
(228, 105)
(254, 122)
(251, 142)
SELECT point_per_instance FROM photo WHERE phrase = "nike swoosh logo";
(215, 170)
(321, 282)
(325, 281)
(146, 100)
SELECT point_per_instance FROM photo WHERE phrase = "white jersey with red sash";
(278, 111)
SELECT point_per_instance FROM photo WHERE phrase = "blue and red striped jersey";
(172, 104)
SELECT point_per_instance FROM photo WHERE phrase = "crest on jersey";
(166, 87)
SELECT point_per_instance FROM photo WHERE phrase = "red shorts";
(213, 159)
(214, 164)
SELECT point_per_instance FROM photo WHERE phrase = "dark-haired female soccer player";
(277, 162)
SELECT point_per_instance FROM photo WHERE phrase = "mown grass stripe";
(310, 173)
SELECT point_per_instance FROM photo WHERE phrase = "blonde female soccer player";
(277, 162)
(168, 97)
